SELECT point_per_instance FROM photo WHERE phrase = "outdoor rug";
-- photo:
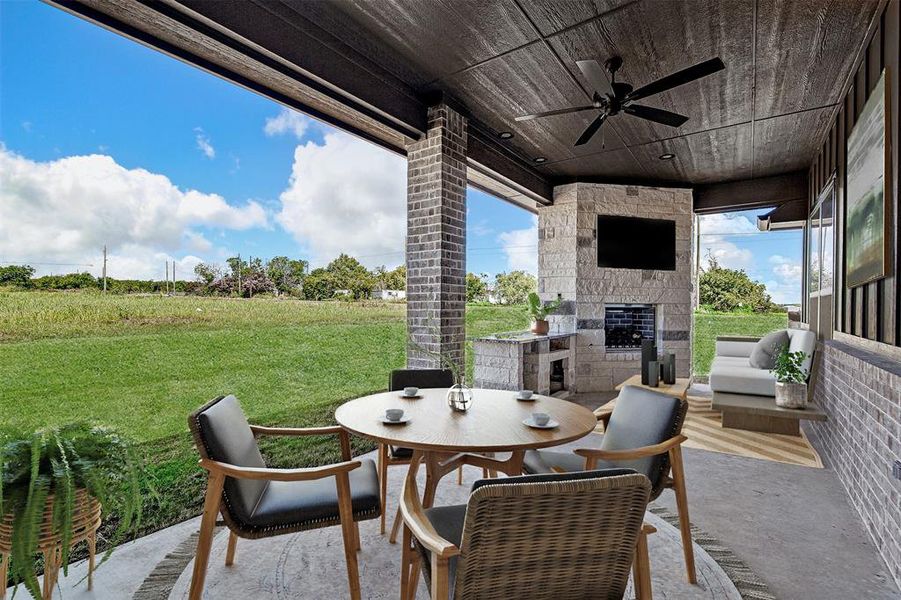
(704, 429)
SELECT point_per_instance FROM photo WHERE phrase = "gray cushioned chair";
(644, 433)
(390, 456)
(256, 501)
(571, 535)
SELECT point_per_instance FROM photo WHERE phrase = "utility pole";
(240, 291)
(104, 268)
(167, 277)
(173, 276)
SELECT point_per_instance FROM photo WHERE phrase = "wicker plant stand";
(85, 522)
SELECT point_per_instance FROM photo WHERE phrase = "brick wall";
(861, 392)
(436, 239)
(567, 265)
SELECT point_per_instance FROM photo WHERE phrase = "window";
(820, 263)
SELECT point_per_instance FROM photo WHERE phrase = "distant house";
(380, 294)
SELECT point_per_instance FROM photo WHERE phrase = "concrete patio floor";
(792, 526)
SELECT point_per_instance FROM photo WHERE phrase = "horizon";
(90, 113)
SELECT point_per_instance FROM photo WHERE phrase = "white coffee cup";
(411, 391)
(394, 414)
(540, 419)
(524, 394)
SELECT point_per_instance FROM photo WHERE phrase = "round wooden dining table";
(443, 439)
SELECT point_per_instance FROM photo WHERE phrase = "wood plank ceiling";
(786, 63)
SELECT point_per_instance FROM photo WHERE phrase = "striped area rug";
(704, 429)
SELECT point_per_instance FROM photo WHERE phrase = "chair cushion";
(291, 503)
(764, 354)
(421, 378)
(643, 417)
(537, 462)
(400, 452)
(226, 437)
(738, 378)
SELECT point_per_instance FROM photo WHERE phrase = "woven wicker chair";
(542, 537)
(644, 433)
(390, 456)
(258, 502)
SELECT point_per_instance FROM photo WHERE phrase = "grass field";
(142, 364)
(710, 325)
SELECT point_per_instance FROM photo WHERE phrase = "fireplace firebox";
(625, 325)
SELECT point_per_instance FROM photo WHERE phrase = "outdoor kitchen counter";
(522, 360)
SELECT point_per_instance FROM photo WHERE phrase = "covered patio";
(443, 83)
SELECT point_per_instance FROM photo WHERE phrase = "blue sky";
(105, 141)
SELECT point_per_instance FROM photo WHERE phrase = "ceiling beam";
(748, 194)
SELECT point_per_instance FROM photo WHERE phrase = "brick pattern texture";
(567, 265)
(436, 239)
(861, 392)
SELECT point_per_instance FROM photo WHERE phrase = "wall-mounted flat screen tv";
(635, 243)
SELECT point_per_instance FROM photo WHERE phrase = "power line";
(49, 264)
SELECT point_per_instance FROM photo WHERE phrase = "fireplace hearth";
(625, 325)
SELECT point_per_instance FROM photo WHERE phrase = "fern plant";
(59, 461)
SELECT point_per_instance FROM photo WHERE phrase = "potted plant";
(791, 379)
(539, 312)
(54, 486)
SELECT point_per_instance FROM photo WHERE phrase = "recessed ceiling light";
(505, 135)
(540, 159)
(667, 156)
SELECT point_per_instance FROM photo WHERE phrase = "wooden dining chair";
(644, 433)
(258, 502)
(390, 456)
(542, 537)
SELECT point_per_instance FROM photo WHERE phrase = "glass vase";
(459, 397)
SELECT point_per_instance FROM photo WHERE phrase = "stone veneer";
(436, 239)
(860, 390)
(567, 268)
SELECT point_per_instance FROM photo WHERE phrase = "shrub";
(731, 290)
(19, 275)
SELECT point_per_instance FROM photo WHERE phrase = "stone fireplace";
(609, 310)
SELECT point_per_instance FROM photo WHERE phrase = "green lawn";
(710, 325)
(142, 364)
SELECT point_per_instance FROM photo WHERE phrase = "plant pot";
(85, 522)
(791, 395)
(540, 327)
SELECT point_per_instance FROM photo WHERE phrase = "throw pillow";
(764, 354)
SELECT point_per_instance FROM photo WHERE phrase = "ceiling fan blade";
(559, 111)
(591, 130)
(594, 73)
(708, 67)
(657, 115)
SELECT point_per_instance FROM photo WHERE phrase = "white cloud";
(787, 269)
(713, 230)
(203, 143)
(27, 126)
(65, 211)
(521, 248)
(287, 121)
(347, 195)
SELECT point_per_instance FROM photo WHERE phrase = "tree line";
(343, 278)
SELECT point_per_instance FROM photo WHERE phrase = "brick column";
(436, 239)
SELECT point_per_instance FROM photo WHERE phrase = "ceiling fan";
(611, 97)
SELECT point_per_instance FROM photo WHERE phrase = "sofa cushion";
(803, 341)
(765, 351)
(726, 376)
